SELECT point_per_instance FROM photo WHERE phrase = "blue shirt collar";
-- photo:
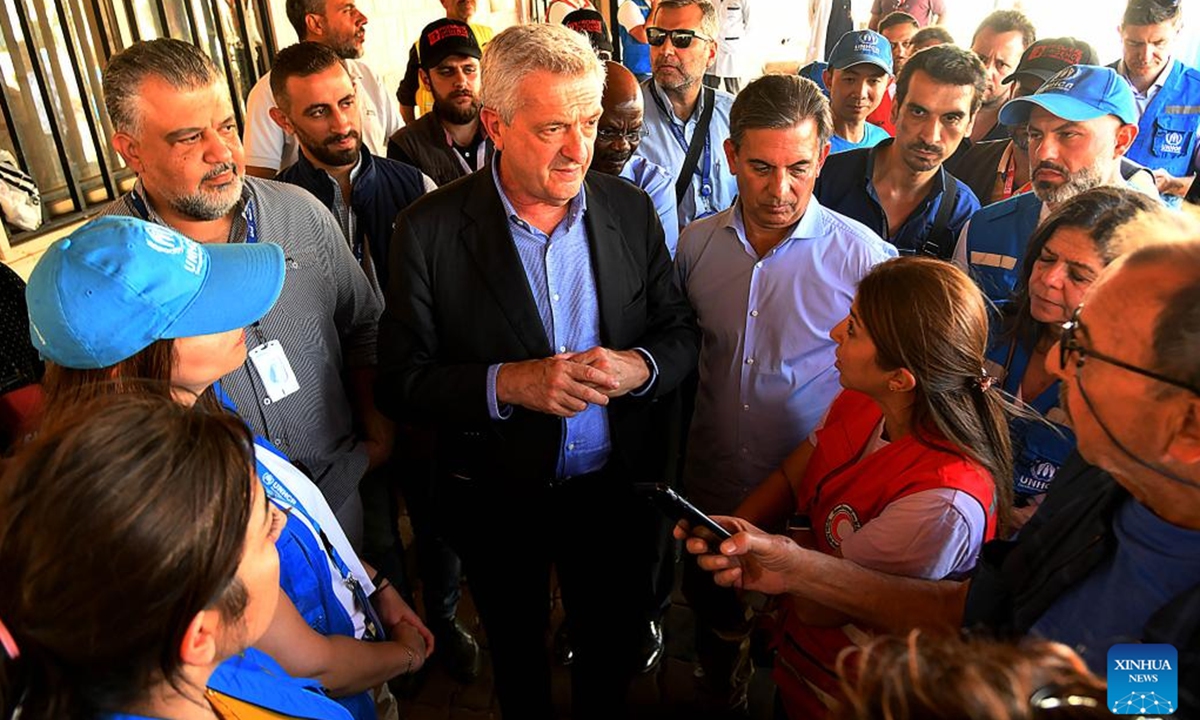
(575, 210)
(809, 226)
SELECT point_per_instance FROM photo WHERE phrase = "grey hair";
(524, 49)
(181, 65)
(778, 102)
(298, 10)
(1176, 336)
(708, 20)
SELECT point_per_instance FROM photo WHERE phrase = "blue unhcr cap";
(815, 71)
(861, 46)
(114, 286)
(1077, 93)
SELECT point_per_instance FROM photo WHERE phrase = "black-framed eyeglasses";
(1069, 344)
(611, 135)
(679, 38)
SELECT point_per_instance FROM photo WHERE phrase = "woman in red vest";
(909, 472)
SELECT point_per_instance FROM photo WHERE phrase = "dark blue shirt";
(845, 186)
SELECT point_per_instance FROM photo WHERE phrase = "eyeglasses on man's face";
(681, 39)
(612, 135)
(1069, 345)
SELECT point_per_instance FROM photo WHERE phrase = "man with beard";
(316, 102)
(339, 25)
(414, 92)
(1079, 123)
(899, 188)
(999, 42)
(617, 138)
(684, 126)
(448, 142)
(768, 278)
(306, 385)
(858, 76)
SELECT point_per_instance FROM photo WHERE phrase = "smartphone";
(677, 508)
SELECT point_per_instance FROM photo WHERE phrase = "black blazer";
(458, 301)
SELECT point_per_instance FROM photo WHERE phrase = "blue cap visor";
(243, 282)
(1016, 112)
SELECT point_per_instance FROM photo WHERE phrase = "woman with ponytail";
(909, 473)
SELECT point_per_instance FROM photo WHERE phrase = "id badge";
(274, 370)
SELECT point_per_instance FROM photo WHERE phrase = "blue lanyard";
(139, 206)
(704, 167)
(281, 496)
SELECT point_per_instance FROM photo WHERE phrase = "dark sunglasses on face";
(1068, 345)
(656, 36)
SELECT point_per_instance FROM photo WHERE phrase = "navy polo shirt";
(845, 186)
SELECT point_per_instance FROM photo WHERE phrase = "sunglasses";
(1069, 345)
(681, 39)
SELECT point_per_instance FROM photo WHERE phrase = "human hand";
(398, 618)
(629, 367)
(410, 638)
(1168, 184)
(554, 385)
(751, 560)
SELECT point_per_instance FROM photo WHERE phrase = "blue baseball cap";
(1077, 93)
(861, 46)
(114, 286)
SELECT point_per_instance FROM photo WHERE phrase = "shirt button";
(570, 446)
(753, 313)
(745, 407)
(266, 401)
(562, 348)
(749, 361)
(554, 297)
(758, 264)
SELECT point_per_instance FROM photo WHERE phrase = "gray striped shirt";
(326, 320)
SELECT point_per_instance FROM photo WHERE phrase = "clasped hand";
(567, 383)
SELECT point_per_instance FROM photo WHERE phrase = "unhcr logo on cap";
(1063, 82)
(164, 241)
(867, 42)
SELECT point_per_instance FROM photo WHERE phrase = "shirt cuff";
(495, 411)
(645, 388)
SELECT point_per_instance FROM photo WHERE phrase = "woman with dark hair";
(126, 306)
(138, 555)
(1065, 255)
(909, 472)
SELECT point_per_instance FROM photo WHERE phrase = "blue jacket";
(635, 55)
(381, 190)
(255, 678)
(996, 241)
(1167, 132)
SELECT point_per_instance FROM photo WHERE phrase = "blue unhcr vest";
(635, 55)
(996, 241)
(1167, 131)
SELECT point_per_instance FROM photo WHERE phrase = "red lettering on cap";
(590, 26)
(1069, 55)
(436, 36)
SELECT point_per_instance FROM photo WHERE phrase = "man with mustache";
(1079, 123)
(340, 25)
(680, 120)
(316, 102)
(617, 138)
(1167, 94)
(768, 278)
(899, 188)
(448, 142)
(306, 385)
(858, 75)
(414, 93)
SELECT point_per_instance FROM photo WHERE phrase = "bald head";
(620, 127)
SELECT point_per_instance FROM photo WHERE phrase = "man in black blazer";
(532, 318)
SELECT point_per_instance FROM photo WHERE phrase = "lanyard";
(288, 502)
(704, 167)
(139, 206)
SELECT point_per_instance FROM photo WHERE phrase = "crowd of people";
(918, 326)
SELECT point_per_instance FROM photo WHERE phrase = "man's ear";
(282, 121)
(492, 125)
(901, 381)
(199, 646)
(731, 155)
(424, 77)
(127, 148)
(1184, 446)
(314, 26)
(1126, 134)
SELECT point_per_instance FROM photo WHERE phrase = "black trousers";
(598, 535)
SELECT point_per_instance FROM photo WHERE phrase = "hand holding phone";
(674, 506)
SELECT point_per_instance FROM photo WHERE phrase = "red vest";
(842, 491)
(882, 115)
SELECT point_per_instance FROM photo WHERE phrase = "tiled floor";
(669, 692)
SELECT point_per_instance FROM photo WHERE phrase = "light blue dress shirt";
(766, 358)
(661, 146)
(558, 268)
(656, 182)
